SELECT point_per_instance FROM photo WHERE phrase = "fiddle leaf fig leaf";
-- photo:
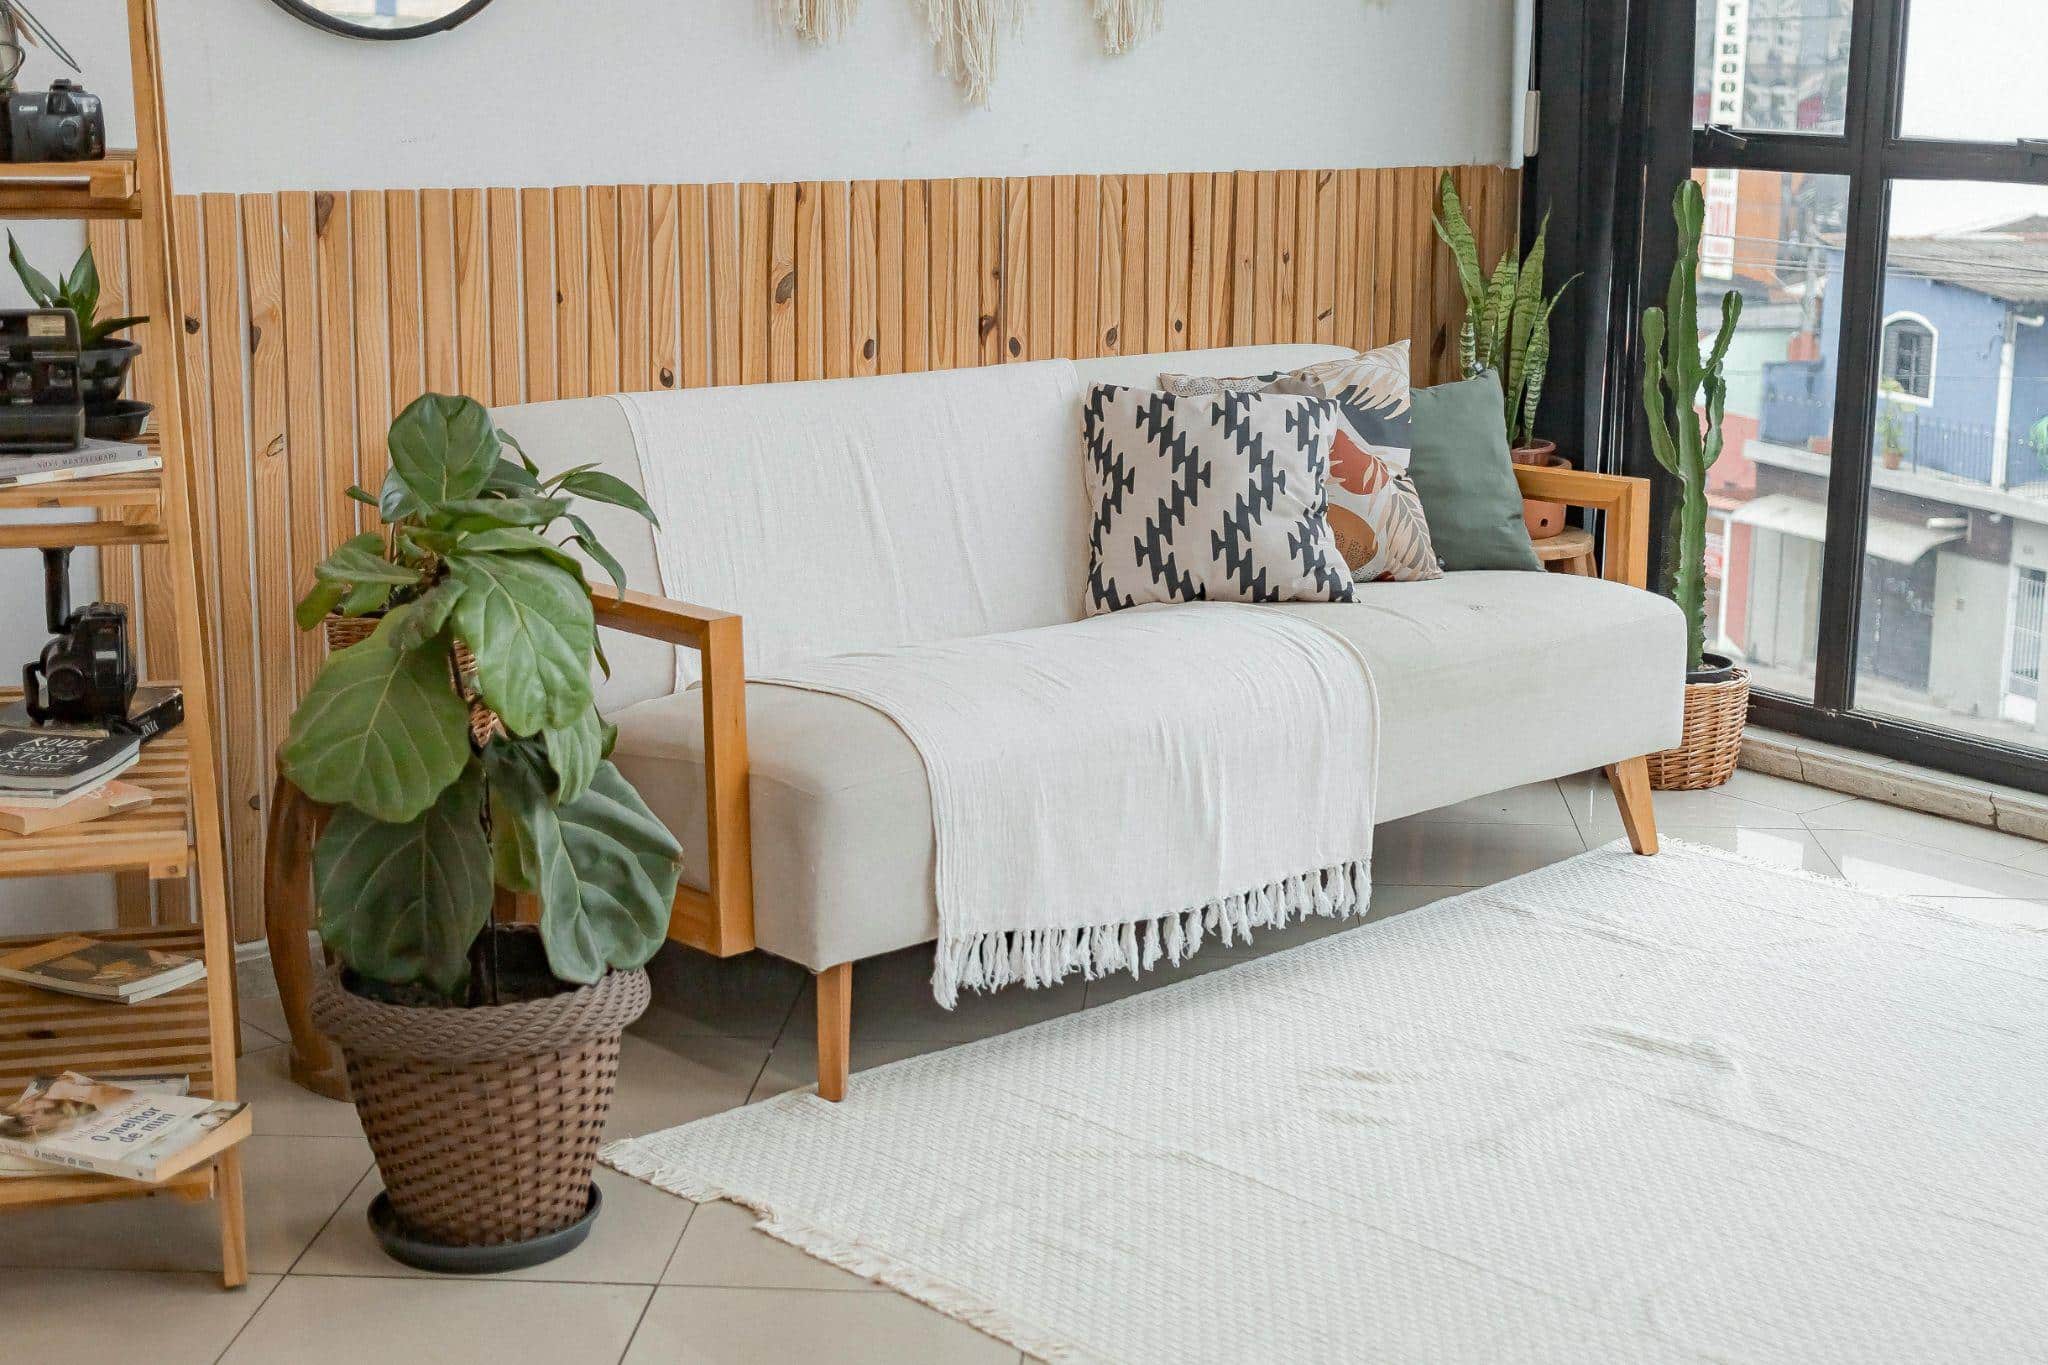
(529, 623)
(427, 616)
(603, 558)
(599, 486)
(402, 902)
(520, 540)
(360, 559)
(485, 514)
(604, 867)
(574, 751)
(511, 477)
(443, 448)
(314, 606)
(381, 730)
(365, 599)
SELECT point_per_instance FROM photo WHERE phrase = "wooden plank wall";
(311, 318)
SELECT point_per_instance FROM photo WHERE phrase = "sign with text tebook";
(88, 1125)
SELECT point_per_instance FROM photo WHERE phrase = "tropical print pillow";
(1376, 516)
(1371, 390)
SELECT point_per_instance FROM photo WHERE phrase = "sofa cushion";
(1220, 498)
(1486, 680)
(1377, 518)
(1467, 482)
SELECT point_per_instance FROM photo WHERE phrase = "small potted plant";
(103, 359)
(1507, 329)
(1891, 433)
(455, 738)
(1685, 396)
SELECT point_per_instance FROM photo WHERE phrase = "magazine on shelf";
(15, 1167)
(156, 707)
(111, 1128)
(113, 799)
(101, 969)
(93, 458)
(51, 766)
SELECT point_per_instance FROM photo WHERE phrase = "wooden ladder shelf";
(192, 1031)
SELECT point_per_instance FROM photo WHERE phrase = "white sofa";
(808, 829)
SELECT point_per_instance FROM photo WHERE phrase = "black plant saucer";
(406, 1249)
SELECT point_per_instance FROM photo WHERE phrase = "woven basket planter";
(1712, 742)
(485, 1121)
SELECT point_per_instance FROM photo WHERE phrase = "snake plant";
(1685, 397)
(1507, 317)
(428, 816)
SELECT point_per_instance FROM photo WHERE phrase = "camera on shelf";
(87, 674)
(63, 123)
(42, 408)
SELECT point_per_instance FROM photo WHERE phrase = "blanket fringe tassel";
(1044, 957)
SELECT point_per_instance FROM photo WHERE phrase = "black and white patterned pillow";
(1218, 497)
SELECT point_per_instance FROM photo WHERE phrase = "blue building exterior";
(1959, 336)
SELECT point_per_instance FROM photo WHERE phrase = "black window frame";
(1617, 77)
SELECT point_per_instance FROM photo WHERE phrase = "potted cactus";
(454, 735)
(1685, 397)
(1507, 329)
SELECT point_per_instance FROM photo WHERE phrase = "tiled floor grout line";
(677, 1249)
(638, 1323)
(237, 1334)
(328, 1222)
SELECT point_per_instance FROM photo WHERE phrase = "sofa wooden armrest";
(1625, 558)
(721, 920)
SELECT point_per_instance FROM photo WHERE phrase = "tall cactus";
(1685, 398)
(1507, 319)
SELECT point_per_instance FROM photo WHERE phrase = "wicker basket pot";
(1712, 741)
(485, 1121)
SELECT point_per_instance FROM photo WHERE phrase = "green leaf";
(518, 540)
(511, 478)
(599, 486)
(40, 290)
(84, 284)
(604, 867)
(530, 626)
(381, 729)
(525, 460)
(357, 493)
(518, 788)
(361, 559)
(443, 448)
(482, 514)
(366, 599)
(403, 901)
(427, 616)
(315, 605)
(574, 751)
(593, 547)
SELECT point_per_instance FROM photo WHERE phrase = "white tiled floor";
(659, 1282)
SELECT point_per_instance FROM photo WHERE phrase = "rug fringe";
(628, 1157)
(1044, 957)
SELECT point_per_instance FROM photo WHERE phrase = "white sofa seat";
(1486, 680)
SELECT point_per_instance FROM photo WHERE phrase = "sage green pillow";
(1466, 481)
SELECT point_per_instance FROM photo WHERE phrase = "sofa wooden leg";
(1631, 783)
(835, 1029)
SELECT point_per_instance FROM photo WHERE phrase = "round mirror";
(383, 18)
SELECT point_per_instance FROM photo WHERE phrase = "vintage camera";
(87, 674)
(63, 123)
(41, 407)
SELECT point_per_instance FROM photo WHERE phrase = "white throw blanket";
(1109, 792)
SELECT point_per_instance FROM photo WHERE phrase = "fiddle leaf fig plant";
(429, 819)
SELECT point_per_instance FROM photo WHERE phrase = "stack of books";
(93, 457)
(138, 1130)
(101, 969)
(53, 777)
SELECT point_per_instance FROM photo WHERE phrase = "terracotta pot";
(1543, 518)
(1892, 459)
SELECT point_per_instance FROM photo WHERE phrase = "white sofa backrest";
(856, 513)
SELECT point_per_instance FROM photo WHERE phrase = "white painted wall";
(532, 93)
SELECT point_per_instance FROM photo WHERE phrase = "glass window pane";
(1778, 66)
(1974, 70)
(1769, 236)
(1955, 573)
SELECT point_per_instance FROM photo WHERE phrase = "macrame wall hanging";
(967, 33)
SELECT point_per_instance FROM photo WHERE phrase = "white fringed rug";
(1627, 1109)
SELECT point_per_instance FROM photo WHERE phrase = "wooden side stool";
(1569, 551)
